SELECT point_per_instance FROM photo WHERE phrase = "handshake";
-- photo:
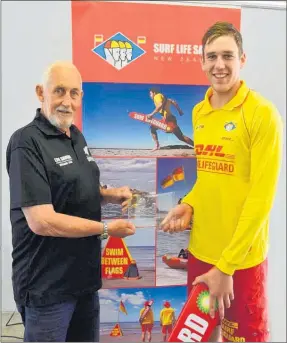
(178, 219)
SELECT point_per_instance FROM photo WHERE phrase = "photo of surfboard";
(139, 120)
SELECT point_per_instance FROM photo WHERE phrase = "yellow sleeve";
(189, 198)
(266, 153)
(158, 99)
(160, 315)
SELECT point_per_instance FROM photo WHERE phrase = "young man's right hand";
(178, 219)
(121, 228)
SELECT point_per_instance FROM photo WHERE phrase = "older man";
(56, 217)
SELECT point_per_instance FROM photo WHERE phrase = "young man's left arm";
(266, 154)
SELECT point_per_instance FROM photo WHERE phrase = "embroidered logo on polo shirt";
(88, 155)
(199, 127)
(230, 126)
(63, 160)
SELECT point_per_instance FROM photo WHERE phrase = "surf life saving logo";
(118, 50)
(229, 126)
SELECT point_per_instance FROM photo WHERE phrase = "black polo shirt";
(45, 166)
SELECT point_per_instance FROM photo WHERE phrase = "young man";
(238, 142)
(163, 107)
(56, 217)
(167, 319)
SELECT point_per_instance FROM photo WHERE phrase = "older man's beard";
(63, 124)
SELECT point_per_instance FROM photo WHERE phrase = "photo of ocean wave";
(144, 256)
(144, 207)
(145, 260)
(170, 244)
(139, 175)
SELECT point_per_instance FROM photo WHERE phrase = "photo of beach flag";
(178, 174)
(122, 308)
(167, 182)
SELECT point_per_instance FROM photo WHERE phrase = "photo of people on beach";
(131, 315)
(142, 76)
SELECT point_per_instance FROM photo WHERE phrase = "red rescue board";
(167, 127)
(146, 311)
(194, 323)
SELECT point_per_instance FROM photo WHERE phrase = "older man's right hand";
(121, 228)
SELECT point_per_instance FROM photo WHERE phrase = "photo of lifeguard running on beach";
(133, 120)
(163, 107)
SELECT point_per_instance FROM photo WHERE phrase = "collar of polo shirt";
(46, 127)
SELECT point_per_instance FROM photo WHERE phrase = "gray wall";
(35, 34)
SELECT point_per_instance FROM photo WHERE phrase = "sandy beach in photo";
(131, 333)
(169, 151)
(130, 337)
(147, 280)
(121, 308)
(145, 260)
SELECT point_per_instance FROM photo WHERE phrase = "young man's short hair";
(219, 29)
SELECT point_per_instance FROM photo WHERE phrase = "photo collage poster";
(133, 56)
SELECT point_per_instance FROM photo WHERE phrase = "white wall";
(43, 35)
